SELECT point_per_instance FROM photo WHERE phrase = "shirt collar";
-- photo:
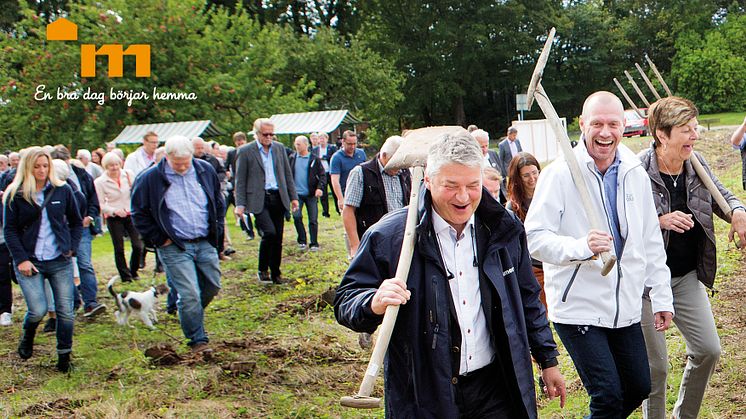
(171, 171)
(441, 226)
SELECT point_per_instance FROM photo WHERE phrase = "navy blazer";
(421, 359)
(150, 214)
(22, 220)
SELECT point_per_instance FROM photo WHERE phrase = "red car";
(634, 125)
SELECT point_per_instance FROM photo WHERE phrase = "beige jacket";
(111, 196)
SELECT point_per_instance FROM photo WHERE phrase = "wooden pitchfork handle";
(362, 399)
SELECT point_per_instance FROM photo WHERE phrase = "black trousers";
(325, 197)
(271, 221)
(6, 276)
(117, 226)
(246, 226)
(483, 394)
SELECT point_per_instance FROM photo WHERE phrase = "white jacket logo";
(509, 271)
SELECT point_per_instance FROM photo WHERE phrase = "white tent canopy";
(307, 122)
(132, 134)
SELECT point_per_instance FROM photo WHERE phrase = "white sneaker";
(6, 319)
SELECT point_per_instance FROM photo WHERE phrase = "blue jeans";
(195, 274)
(88, 281)
(59, 272)
(313, 219)
(613, 365)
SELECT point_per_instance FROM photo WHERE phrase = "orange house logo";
(65, 30)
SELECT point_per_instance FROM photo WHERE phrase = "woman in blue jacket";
(42, 228)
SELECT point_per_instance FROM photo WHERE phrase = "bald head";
(605, 99)
(602, 124)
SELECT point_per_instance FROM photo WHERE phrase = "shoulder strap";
(47, 198)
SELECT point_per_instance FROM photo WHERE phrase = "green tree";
(233, 64)
(711, 69)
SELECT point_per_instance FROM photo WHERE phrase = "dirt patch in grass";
(304, 305)
(60, 408)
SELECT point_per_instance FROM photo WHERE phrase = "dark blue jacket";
(150, 213)
(92, 208)
(423, 355)
(22, 220)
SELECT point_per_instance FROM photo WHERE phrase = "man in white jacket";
(598, 317)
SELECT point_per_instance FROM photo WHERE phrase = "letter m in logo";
(64, 30)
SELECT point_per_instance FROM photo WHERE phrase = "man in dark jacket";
(239, 140)
(471, 317)
(178, 208)
(310, 181)
(83, 182)
(325, 151)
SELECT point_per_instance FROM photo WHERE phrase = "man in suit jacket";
(509, 147)
(491, 159)
(325, 151)
(265, 188)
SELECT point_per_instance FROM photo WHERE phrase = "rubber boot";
(63, 362)
(26, 346)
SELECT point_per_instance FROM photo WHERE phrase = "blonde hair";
(24, 179)
(669, 112)
(110, 158)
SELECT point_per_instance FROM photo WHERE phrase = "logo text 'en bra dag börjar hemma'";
(65, 30)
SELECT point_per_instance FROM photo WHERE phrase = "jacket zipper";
(569, 284)
(434, 315)
(618, 257)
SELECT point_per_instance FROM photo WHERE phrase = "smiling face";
(529, 176)
(602, 124)
(679, 145)
(456, 192)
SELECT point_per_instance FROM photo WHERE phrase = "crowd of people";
(486, 280)
(504, 248)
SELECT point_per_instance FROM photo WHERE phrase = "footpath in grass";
(279, 352)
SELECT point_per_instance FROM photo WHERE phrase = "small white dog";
(142, 303)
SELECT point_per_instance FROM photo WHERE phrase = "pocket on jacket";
(570, 282)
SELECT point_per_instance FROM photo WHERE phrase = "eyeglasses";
(267, 134)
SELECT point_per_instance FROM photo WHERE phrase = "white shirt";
(458, 256)
(513, 148)
(138, 160)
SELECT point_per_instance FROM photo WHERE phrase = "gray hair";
(259, 123)
(480, 133)
(61, 169)
(196, 140)
(459, 148)
(302, 138)
(4, 158)
(84, 153)
(179, 146)
(512, 130)
(391, 145)
(109, 158)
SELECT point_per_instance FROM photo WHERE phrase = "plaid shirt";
(187, 203)
(391, 187)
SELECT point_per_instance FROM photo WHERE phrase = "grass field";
(726, 118)
(278, 350)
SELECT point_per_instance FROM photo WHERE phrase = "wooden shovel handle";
(363, 400)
